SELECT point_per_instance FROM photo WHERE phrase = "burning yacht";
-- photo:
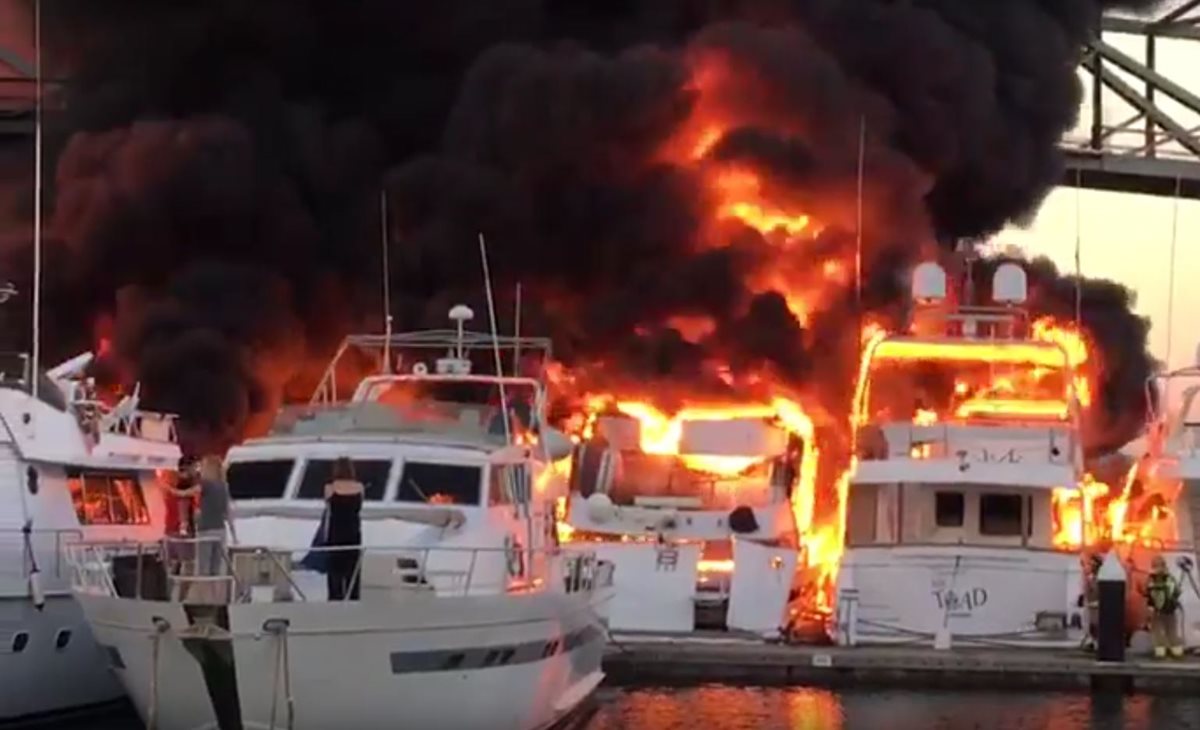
(701, 512)
(967, 456)
(469, 615)
(71, 467)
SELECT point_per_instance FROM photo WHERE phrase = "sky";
(1129, 238)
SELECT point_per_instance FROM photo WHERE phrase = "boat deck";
(698, 658)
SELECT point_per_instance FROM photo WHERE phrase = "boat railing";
(901, 440)
(36, 549)
(389, 351)
(206, 571)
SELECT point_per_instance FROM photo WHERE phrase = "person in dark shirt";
(344, 500)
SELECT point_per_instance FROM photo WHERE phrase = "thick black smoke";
(220, 163)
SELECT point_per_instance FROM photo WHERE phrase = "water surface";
(718, 707)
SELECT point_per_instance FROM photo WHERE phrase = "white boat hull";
(515, 662)
(42, 679)
(904, 594)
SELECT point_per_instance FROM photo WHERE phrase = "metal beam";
(1185, 30)
(1148, 74)
(1129, 174)
(1179, 134)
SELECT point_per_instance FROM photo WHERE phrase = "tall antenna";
(36, 353)
(487, 283)
(1078, 249)
(858, 244)
(1171, 271)
(517, 335)
(387, 285)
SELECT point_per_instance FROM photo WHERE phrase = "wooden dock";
(691, 659)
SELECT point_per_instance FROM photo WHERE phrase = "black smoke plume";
(217, 171)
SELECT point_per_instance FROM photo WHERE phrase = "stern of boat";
(979, 596)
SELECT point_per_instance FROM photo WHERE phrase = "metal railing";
(21, 551)
(208, 571)
(881, 442)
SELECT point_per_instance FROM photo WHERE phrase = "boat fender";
(515, 555)
(37, 594)
(742, 520)
(600, 508)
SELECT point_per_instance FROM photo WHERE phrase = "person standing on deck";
(1163, 594)
(344, 501)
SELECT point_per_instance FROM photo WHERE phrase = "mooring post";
(1110, 644)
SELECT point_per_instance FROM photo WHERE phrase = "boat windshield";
(964, 385)
(697, 483)
(471, 404)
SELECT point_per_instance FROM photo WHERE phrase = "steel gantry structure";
(1154, 147)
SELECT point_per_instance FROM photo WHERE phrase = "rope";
(160, 627)
(279, 627)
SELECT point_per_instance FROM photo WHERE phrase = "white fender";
(36, 593)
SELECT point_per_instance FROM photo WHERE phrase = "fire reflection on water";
(807, 708)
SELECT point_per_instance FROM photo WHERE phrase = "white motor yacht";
(967, 449)
(469, 615)
(703, 530)
(70, 468)
(1161, 500)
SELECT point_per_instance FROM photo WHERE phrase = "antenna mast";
(858, 244)
(387, 285)
(37, 201)
(487, 283)
(517, 335)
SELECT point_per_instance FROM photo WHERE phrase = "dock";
(696, 659)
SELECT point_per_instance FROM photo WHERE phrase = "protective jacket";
(1163, 593)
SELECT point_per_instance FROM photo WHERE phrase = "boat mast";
(487, 283)
(35, 355)
(387, 284)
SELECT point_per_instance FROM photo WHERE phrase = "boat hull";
(44, 679)
(911, 594)
(510, 661)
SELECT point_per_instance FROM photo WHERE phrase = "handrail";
(442, 570)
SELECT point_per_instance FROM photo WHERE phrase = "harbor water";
(716, 707)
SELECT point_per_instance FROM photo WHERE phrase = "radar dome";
(928, 283)
(1009, 284)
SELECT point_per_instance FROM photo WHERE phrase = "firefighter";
(1091, 597)
(1163, 594)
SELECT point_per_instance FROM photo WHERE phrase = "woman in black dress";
(343, 500)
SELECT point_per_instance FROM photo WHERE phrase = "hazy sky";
(1128, 237)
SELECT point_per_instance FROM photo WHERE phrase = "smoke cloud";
(218, 167)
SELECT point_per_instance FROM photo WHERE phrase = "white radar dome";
(461, 313)
(600, 507)
(929, 283)
(1009, 285)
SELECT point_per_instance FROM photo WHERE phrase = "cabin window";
(373, 473)
(862, 514)
(429, 483)
(1001, 515)
(259, 479)
(498, 491)
(949, 509)
(107, 499)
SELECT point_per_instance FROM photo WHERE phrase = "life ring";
(515, 557)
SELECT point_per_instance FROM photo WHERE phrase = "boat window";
(373, 473)
(949, 509)
(439, 483)
(107, 498)
(259, 479)
(1001, 514)
(498, 491)
(862, 514)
